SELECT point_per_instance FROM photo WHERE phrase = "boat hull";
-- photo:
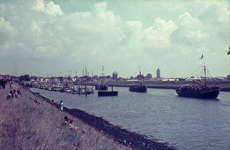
(138, 89)
(108, 93)
(101, 87)
(200, 94)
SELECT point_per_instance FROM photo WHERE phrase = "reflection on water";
(160, 114)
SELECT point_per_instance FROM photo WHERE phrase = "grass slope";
(26, 125)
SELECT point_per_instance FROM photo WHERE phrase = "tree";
(25, 77)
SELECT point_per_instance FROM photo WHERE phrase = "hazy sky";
(51, 38)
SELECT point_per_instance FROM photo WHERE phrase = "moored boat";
(101, 87)
(202, 91)
(198, 92)
(138, 87)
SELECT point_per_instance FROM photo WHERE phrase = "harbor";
(74, 87)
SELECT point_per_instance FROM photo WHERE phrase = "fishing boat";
(141, 87)
(138, 88)
(202, 91)
(102, 85)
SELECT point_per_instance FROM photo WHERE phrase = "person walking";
(3, 83)
(61, 105)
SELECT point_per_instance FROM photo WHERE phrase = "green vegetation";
(26, 125)
(25, 77)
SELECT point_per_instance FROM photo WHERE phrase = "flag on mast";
(201, 57)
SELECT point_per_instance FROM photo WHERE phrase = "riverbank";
(120, 135)
(29, 122)
(29, 125)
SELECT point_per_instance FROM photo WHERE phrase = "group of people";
(68, 122)
(14, 94)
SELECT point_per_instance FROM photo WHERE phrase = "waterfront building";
(149, 76)
(158, 73)
(228, 77)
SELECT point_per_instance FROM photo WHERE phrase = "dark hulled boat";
(202, 91)
(138, 88)
(198, 92)
(101, 87)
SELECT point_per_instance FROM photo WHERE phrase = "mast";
(204, 72)
(205, 76)
(141, 83)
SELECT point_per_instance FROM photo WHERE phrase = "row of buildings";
(96, 78)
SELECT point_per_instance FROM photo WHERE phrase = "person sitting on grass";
(37, 102)
(15, 94)
(8, 96)
(68, 122)
(19, 92)
(12, 93)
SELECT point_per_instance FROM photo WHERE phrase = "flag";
(201, 57)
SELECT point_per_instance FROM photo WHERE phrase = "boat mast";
(204, 73)
(140, 76)
(103, 78)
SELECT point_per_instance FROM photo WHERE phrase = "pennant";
(201, 57)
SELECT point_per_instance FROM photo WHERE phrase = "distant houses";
(6, 77)
(108, 78)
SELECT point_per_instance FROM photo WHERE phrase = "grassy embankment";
(26, 125)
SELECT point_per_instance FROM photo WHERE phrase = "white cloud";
(42, 32)
(7, 32)
(50, 8)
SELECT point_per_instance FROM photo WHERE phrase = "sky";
(63, 37)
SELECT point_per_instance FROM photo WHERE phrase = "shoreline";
(121, 136)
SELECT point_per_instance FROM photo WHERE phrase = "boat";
(203, 91)
(101, 87)
(138, 87)
(108, 93)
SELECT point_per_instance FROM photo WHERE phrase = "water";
(185, 123)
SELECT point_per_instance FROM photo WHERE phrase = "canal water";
(185, 123)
